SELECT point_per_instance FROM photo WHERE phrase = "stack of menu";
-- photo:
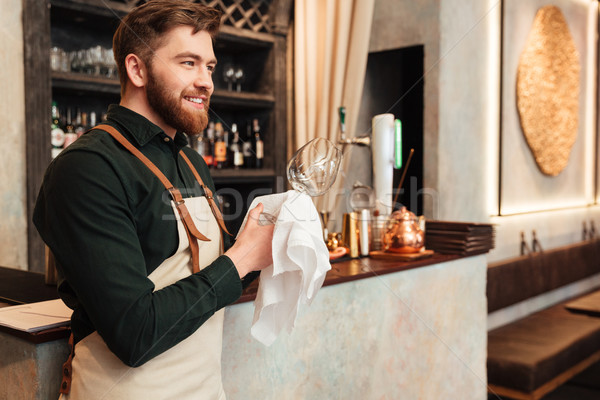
(462, 238)
(36, 317)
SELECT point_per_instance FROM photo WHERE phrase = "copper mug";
(403, 233)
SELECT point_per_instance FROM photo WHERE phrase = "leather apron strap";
(209, 195)
(67, 372)
(191, 230)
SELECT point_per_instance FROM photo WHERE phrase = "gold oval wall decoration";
(548, 90)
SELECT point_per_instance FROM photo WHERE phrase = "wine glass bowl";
(314, 167)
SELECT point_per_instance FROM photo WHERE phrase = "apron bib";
(189, 370)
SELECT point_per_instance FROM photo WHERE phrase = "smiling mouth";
(196, 100)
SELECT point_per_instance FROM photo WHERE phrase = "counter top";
(361, 268)
(19, 287)
(22, 287)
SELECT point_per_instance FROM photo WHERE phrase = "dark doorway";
(394, 84)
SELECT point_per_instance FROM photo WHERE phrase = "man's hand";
(252, 249)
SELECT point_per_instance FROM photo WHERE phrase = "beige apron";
(190, 369)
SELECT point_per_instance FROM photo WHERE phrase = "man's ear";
(136, 70)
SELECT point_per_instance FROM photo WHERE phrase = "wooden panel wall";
(38, 94)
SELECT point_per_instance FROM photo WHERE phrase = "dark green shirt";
(109, 222)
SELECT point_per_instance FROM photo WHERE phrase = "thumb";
(255, 212)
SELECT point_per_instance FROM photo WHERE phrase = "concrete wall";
(31, 371)
(13, 212)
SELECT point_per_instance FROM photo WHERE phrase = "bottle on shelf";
(247, 150)
(92, 119)
(227, 139)
(235, 149)
(70, 135)
(204, 149)
(220, 160)
(210, 136)
(57, 135)
(259, 150)
(80, 124)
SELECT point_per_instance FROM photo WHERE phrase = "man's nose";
(204, 80)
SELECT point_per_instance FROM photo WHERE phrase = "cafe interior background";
(457, 62)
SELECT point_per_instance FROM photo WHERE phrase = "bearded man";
(128, 213)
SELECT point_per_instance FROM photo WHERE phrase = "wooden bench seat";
(532, 356)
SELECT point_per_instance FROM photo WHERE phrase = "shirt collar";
(139, 128)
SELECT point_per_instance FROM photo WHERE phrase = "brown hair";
(141, 31)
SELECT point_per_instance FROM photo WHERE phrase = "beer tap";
(343, 140)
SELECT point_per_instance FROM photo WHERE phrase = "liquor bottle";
(258, 145)
(210, 137)
(79, 125)
(84, 123)
(220, 147)
(247, 148)
(92, 119)
(204, 149)
(57, 135)
(70, 135)
(235, 149)
(227, 137)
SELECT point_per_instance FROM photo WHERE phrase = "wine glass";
(94, 55)
(239, 78)
(314, 167)
(312, 170)
(228, 76)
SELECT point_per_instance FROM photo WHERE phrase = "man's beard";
(169, 107)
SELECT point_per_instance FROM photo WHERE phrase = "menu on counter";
(35, 317)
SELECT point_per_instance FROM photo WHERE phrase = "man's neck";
(138, 103)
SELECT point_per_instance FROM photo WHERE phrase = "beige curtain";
(331, 45)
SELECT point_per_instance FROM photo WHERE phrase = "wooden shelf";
(91, 83)
(91, 7)
(84, 82)
(242, 99)
(242, 175)
(242, 39)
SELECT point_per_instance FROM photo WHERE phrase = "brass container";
(350, 233)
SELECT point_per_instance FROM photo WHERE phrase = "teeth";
(194, 99)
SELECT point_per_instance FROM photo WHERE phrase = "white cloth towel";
(300, 263)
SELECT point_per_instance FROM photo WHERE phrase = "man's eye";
(189, 63)
(211, 68)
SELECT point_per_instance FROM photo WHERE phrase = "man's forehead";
(184, 36)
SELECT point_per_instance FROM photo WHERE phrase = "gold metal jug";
(402, 233)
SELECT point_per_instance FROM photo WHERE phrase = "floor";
(585, 386)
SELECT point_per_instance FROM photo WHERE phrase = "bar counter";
(376, 329)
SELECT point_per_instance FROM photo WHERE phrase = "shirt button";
(167, 139)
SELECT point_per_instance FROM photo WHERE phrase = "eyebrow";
(195, 56)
